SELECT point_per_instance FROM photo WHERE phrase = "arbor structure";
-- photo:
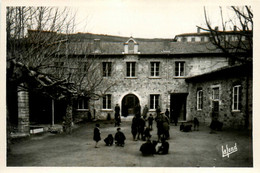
(39, 61)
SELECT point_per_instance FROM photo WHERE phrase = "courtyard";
(187, 149)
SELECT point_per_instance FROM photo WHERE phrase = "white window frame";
(199, 99)
(132, 66)
(213, 93)
(236, 100)
(153, 97)
(178, 64)
(107, 105)
(154, 67)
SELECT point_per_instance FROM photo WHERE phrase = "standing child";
(97, 133)
(150, 121)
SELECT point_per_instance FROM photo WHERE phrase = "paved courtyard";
(192, 149)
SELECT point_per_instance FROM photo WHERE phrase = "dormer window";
(131, 47)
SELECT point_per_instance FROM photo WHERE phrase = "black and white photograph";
(123, 84)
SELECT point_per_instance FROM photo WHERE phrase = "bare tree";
(41, 56)
(235, 39)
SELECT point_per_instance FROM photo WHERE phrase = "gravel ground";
(192, 149)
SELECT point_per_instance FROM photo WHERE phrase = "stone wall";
(23, 111)
(143, 84)
(230, 118)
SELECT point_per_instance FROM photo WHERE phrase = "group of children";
(148, 148)
(109, 140)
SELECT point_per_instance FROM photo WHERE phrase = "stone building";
(155, 72)
(148, 72)
(227, 92)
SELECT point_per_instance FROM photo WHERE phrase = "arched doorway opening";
(129, 102)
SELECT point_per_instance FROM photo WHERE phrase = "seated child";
(120, 138)
(109, 140)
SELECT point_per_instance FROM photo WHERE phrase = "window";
(179, 68)
(130, 69)
(107, 101)
(202, 39)
(236, 98)
(215, 93)
(193, 39)
(155, 68)
(154, 101)
(199, 99)
(183, 39)
(107, 68)
(82, 103)
(131, 46)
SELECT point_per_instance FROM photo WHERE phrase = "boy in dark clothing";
(150, 121)
(147, 134)
(164, 148)
(141, 125)
(196, 124)
(120, 138)
(96, 136)
(109, 140)
(147, 148)
(134, 127)
(117, 115)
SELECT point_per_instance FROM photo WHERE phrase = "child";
(120, 138)
(150, 121)
(109, 140)
(164, 148)
(96, 136)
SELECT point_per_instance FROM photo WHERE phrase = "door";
(178, 106)
(129, 103)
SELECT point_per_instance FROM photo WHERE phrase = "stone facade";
(143, 85)
(225, 81)
(23, 111)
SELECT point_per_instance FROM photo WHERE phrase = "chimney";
(198, 30)
(235, 28)
(97, 46)
(216, 28)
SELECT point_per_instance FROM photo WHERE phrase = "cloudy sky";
(145, 18)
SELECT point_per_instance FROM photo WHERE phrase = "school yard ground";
(193, 149)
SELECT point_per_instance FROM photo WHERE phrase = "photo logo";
(226, 151)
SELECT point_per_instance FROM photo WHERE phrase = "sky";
(144, 18)
(140, 18)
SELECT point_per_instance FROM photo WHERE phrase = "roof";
(114, 45)
(224, 72)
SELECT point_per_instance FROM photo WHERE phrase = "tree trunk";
(68, 117)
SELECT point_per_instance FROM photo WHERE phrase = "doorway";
(178, 106)
(129, 103)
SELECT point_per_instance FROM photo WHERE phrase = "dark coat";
(120, 137)
(147, 148)
(141, 125)
(145, 111)
(164, 148)
(109, 140)
(117, 111)
(96, 134)
(150, 119)
(134, 126)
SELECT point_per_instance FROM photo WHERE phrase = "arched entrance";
(129, 102)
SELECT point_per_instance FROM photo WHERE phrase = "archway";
(129, 102)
